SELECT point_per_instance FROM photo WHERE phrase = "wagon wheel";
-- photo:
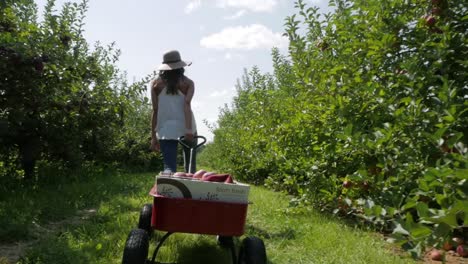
(136, 247)
(252, 251)
(144, 222)
(225, 241)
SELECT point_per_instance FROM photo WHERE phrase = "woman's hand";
(155, 145)
(188, 137)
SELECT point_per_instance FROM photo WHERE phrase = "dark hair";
(172, 77)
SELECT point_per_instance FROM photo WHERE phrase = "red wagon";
(183, 215)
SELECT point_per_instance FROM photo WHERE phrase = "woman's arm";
(188, 110)
(154, 116)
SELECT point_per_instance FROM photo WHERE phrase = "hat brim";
(173, 66)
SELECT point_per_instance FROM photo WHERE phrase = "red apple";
(38, 64)
(199, 174)
(206, 174)
(447, 246)
(462, 251)
(347, 184)
(436, 255)
(226, 178)
(430, 20)
(180, 174)
(365, 186)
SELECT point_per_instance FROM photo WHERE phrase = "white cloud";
(318, 2)
(237, 15)
(221, 93)
(253, 5)
(255, 36)
(196, 104)
(211, 60)
(233, 56)
(224, 95)
(192, 6)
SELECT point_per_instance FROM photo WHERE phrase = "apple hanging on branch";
(430, 20)
(347, 184)
(38, 64)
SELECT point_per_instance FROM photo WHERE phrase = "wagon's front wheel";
(144, 222)
(136, 247)
(252, 251)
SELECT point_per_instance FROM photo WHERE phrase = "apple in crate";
(206, 174)
(226, 178)
(199, 174)
(180, 174)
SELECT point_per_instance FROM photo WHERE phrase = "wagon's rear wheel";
(252, 251)
(136, 247)
(225, 241)
(144, 222)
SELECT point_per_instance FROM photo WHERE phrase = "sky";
(221, 38)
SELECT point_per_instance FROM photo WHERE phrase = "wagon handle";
(181, 141)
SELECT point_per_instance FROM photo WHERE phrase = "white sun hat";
(172, 61)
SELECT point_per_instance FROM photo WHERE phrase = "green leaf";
(349, 130)
(409, 204)
(419, 231)
(449, 219)
(442, 230)
(400, 230)
(422, 209)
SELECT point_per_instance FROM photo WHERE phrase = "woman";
(171, 95)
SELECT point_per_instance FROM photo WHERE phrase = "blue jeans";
(169, 153)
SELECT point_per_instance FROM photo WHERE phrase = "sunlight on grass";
(307, 237)
(106, 209)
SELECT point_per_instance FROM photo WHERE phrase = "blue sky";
(220, 37)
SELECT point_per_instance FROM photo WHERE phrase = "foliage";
(61, 99)
(365, 117)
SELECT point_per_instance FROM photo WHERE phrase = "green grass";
(88, 222)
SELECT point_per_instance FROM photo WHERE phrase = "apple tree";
(365, 117)
(60, 99)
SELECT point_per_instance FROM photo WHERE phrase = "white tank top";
(171, 116)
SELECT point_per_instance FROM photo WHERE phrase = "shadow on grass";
(57, 251)
(43, 203)
(203, 252)
(288, 233)
(207, 253)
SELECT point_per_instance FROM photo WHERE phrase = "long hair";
(172, 78)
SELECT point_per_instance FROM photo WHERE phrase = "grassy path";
(88, 222)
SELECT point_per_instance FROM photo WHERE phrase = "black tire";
(144, 222)
(252, 251)
(225, 241)
(136, 247)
